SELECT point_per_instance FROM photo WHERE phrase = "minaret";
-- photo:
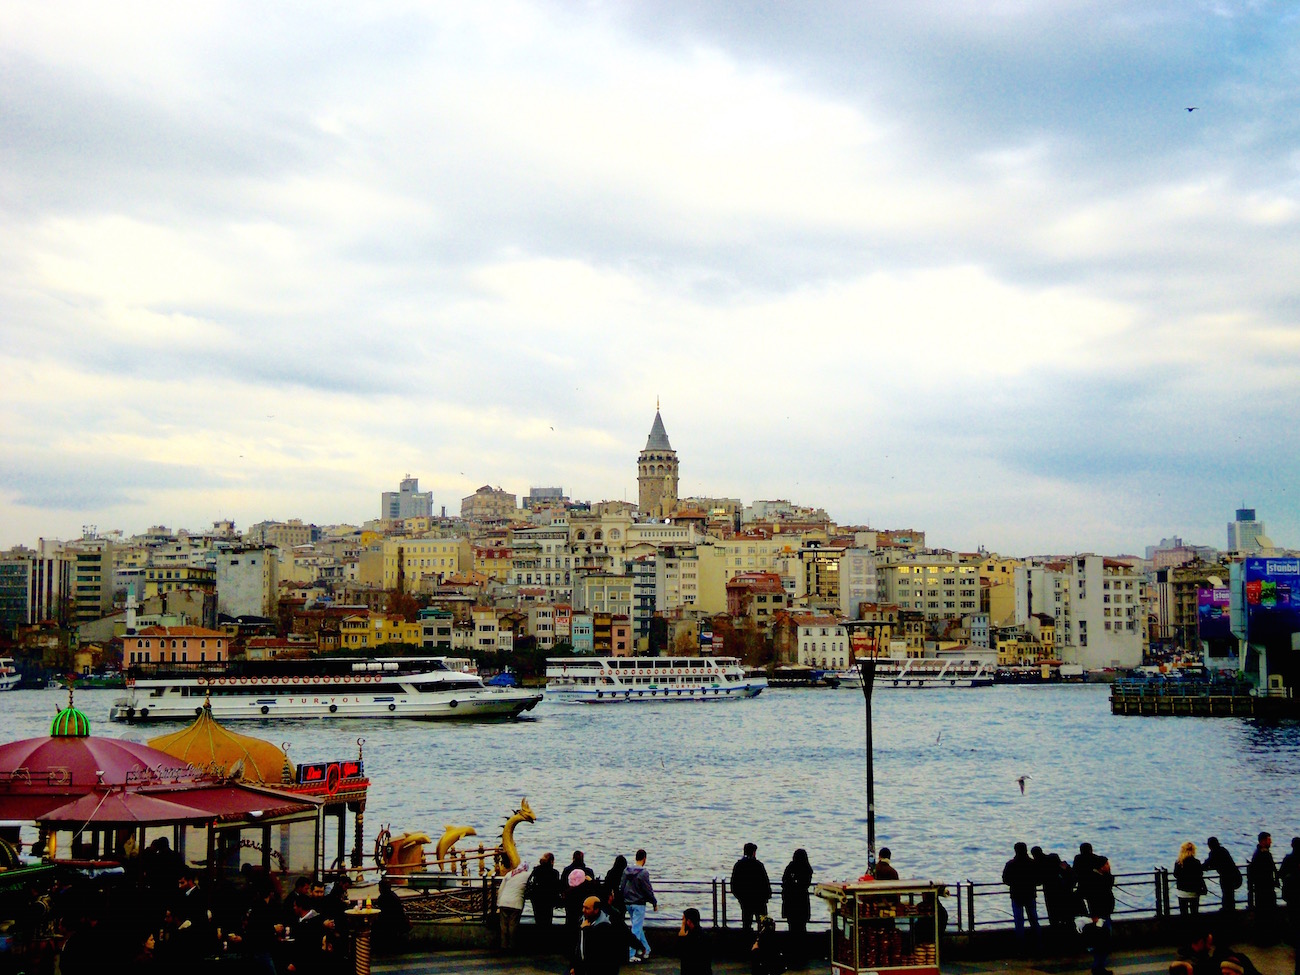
(657, 473)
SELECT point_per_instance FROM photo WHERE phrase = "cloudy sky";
(967, 267)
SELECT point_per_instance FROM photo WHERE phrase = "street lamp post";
(867, 668)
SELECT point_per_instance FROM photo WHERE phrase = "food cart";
(883, 926)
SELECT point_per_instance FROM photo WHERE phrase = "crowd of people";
(164, 916)
(604, 917)
(1084, 888)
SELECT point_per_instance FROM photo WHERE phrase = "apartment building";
(1096, 607)
(823, 641)
(938, 586)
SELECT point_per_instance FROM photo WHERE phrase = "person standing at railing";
(1058, 887)
(543, 891)
(751, 886)
(1189, 880)
(510, 904)
(1222, 863)
(1097, 888)
(1262, 872)
(1021, 877)
(637, 893)
(796, 906)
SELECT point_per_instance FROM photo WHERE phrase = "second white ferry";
(925, 672)
(614, 680)
(321, 687)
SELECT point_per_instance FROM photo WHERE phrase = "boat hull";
(469, 704)
(733, 692)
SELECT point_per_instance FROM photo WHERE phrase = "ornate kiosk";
(884, 926)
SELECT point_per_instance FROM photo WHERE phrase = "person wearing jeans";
(637, 893)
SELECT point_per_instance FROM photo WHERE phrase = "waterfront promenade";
(1276, 960)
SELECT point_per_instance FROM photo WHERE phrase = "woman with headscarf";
(796, 906)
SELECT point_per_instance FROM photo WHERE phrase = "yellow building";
(755, 552)
(413, 564)
(998, 589)
(160, 580)
(365, 631)
(493, 562)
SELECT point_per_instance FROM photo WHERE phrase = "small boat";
(615, 680)
(9, 675)
(320, 687)
(801, 675)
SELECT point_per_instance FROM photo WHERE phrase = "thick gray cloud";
(966, 267)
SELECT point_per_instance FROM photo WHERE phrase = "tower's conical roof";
(658, 439)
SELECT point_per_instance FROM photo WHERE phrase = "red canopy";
(71, 766)
(137, 808)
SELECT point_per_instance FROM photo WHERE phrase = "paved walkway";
(1277, 960)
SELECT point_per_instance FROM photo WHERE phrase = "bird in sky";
(1022, 780)
(1192, 108)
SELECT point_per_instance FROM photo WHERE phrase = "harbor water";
(693, 782)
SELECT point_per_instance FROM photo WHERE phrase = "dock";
(1198, 699)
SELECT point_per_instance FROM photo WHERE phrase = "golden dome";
(206, 744)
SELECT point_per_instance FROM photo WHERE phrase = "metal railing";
(972, 906)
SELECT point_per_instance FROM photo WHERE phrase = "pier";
(1199, 699)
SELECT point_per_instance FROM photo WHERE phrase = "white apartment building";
(541, 624)
(1096, 604)
(677, 579)
(823, 642)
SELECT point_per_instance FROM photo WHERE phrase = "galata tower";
(657, 473)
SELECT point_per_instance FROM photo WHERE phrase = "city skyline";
(971, 270)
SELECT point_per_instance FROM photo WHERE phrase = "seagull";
(1192, 108)
(1022, 780)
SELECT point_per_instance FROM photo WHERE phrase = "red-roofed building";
(758, 595)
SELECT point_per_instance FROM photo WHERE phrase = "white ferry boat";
(9, 675)
(328, 687)
(614, 680)
(925, 672)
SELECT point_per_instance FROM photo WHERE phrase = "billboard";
(1212, 619)
(1272, 598)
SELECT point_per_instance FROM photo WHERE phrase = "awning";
(26, 808)
(223, 803)
(114, 808)
(231, 802)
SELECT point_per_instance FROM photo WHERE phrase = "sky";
(966, 267)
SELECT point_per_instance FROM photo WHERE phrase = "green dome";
(70, 723)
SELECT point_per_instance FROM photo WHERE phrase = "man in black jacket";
(1021, 876)
(1221, 862)
(1262, 872)
(750, 885)
(600, 946)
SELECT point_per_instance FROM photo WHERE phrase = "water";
(693, 782)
